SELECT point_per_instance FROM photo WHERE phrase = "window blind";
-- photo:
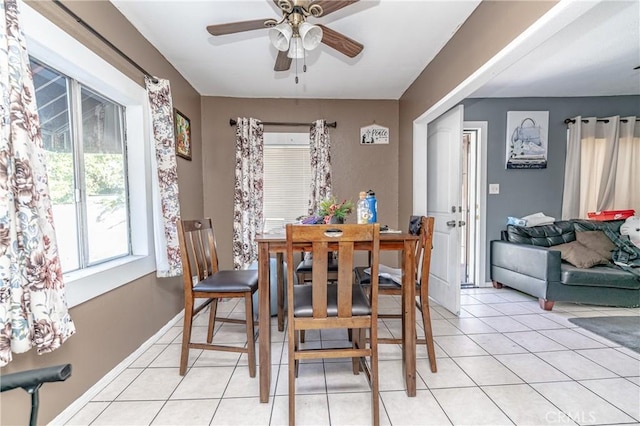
(287, 180)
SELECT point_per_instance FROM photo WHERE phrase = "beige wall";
(492, 26)
(112, 326)
(355, 167)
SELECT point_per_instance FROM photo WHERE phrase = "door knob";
(451, 223)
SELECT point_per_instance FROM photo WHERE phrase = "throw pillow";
(596, 241)
(579, 255)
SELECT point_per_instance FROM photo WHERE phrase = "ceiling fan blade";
(236, 27)
(330, 6)
(283, 62)
(340, 42)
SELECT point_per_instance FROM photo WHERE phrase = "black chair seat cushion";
(303, 307)
(230, 282)
(307, 265)
(383, 283)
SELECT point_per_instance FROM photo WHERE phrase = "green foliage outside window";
(103, 174)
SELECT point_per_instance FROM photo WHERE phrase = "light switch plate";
(494, 188)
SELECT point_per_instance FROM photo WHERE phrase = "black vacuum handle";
(32, 378)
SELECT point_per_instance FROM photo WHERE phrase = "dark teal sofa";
(525, 260)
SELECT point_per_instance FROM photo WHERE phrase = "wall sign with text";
(374, 134)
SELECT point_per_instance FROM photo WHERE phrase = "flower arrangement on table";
(330, 210)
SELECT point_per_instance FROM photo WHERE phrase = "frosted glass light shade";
(311, 35)
(296, 51)
(280, 35)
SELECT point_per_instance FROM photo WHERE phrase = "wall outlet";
(494, 188)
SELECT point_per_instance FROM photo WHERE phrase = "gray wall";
(523, 192)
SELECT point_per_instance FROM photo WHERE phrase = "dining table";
(274, 243)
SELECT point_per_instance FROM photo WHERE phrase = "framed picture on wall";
(527, 135)
(183, 135)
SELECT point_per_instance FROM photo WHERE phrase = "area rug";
(623, 330)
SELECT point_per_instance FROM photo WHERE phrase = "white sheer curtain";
(600, 168)
(572, 171)
(627, 191)
(606, 188)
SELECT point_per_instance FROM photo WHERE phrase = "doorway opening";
(543, 28)
(473, 244)
(470, 207)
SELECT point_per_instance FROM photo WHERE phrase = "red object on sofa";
(611, 214)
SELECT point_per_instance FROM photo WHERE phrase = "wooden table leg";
(280, 273)
(264, 324)
(409, 318)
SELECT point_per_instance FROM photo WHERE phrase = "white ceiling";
(593, 56)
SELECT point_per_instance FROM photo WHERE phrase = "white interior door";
(444, 201)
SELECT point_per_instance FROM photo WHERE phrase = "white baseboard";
(72, 409)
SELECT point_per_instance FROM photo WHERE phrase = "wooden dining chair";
(340, 305)
(305, 267)
(304, 273)
(203, 280)
(422, 226)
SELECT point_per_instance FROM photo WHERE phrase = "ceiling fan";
(292, 34)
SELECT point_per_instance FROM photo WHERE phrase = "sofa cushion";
(544, 235)
(596, 241)
(579, 255)
(599, 276)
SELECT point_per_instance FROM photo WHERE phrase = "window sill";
(85, 284)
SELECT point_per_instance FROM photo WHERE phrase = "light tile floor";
(502, 361)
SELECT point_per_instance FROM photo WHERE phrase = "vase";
(335, 219)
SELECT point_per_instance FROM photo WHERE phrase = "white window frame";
(51, 45)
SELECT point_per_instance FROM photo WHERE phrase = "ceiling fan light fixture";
(296, 50)
(280, 36)
(311, 35)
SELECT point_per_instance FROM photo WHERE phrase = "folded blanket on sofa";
(538, 219)
(626, 255)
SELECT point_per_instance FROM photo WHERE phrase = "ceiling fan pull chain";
(304, 63)
(296, 70)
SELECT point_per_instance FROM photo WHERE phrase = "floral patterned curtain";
(320, 146)
(166, 205)
(33, 308)
(248, 197)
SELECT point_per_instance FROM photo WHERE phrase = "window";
(603, 166)
(83, 139)
(287, 178)
(111, 221)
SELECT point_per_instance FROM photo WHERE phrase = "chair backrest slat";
(198, 250)
(329, 238)
(345, 275)
(200, 259)
(319, 279)
(423, 246)
(426, 244)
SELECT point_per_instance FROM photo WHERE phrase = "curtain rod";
(603, 120)
(103, 39)
(233, 122)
